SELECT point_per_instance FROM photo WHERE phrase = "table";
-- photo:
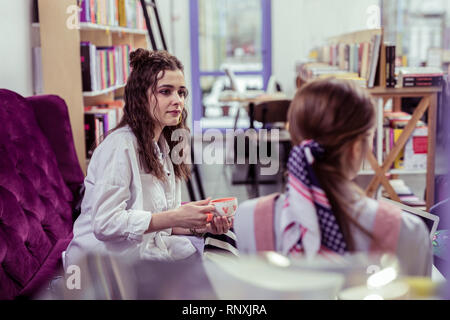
(242, 173)
(251, 100)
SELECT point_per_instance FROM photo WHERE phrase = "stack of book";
(361, 59)
(313, 70)
(115, 13)
(99, 120)
(420, 77)
(104, 67)
(407, 197)
(414, 154)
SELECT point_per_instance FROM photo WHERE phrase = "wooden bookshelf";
(61, 61)
(394, 171)
(410, 92)
(428, 103)
(88, 94)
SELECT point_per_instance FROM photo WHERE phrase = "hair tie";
(313, 150)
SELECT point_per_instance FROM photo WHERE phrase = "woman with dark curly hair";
(132, 200)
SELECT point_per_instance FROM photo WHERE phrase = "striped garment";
(309, 224)
(224, 243)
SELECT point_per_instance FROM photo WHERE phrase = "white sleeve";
(414, 247)
(244, 227)
(109, 192)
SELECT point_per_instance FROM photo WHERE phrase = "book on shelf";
(343, 56)
(114, 13)
(414, 155)
(107, 60)
(420, 77)
(380, 74)
(353, 58)
(422, 81)
(399, 119)
(110, 119)
(113, 110)
(388, 138)
(131, 12)
(416, 150)
(365, 52)
(374, 60)
(399, 159)
(99, 120)
(390, 66)
(122, 15)
(35, 14)
(117, 105)
(104, 67)
(93, 128)
(407, 197)
(87, 70)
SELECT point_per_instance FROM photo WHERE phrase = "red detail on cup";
(222, 200)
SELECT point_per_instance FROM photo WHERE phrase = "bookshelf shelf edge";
(393, 171)
(99, 93)
(96, 27)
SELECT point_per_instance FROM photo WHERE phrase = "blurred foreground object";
(266, 276)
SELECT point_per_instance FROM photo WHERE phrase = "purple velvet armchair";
(39, 182)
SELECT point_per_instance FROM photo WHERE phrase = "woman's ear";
(355, 158)
(356, 151)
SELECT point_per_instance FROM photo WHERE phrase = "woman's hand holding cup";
(219, 225)
(215, 217)
(222, 221)
(195, 214)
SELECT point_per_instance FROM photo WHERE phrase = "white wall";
(15, 46)
(299, 25)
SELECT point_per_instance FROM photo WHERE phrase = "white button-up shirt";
(119, 201)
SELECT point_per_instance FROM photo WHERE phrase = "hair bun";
(139, 57)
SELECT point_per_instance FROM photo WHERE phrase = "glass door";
(233, 35)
